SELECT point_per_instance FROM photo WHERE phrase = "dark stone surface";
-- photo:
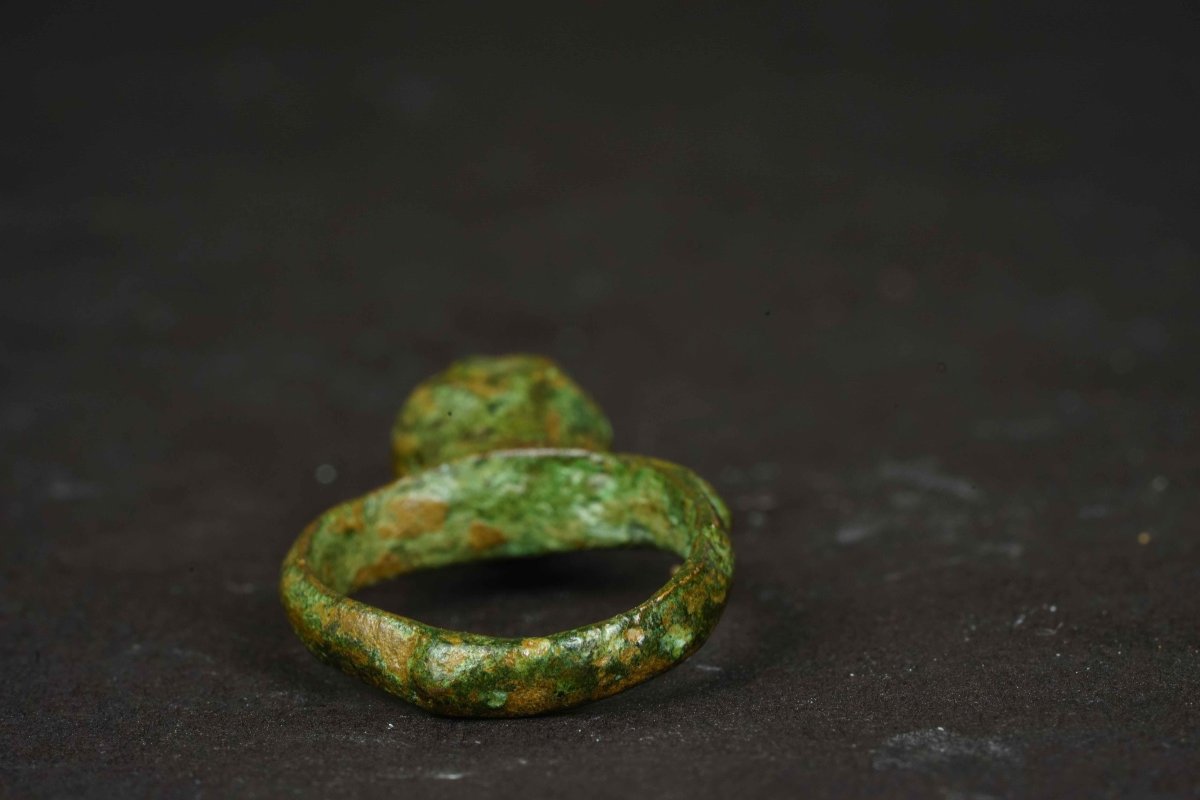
(916, 290)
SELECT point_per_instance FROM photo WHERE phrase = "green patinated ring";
(502, 503)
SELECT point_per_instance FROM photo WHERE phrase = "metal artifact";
(501, 457)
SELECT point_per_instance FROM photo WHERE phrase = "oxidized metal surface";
(501, 458)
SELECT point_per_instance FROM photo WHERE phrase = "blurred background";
(914, 286)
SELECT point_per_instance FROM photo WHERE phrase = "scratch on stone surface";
(757, 501)
(1009, 549)
(949, 561)
(935, 749)
(448, 776)
(64, 490)
(708, 667)
(188, 653)
(857, 531)
(923, 474)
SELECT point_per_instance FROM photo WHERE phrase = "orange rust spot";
(484, 537)
(452, 660)
(530, 699)
(529, 649)
(694, 599)
(646, 669)
(388, 565)
(485, 386)
(628, 655)
(553, 425)
(409, 517)
(631, 651)
(635, 665)
(535, 647)
(396, 650)
(630, 673)
(607, 656)
(589, 442)
(405, 445)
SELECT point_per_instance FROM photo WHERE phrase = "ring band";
(504, 503)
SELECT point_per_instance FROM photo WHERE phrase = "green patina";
(487, 403)
(502, 458)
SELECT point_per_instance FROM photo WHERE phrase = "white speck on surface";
(708, 667)
(923, 474)
(857, 532)
(325, 474)
(936, 749)
(448, 776)
(1160, 483)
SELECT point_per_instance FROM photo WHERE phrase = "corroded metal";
(501, 458)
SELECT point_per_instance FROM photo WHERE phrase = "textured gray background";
(916, 290)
